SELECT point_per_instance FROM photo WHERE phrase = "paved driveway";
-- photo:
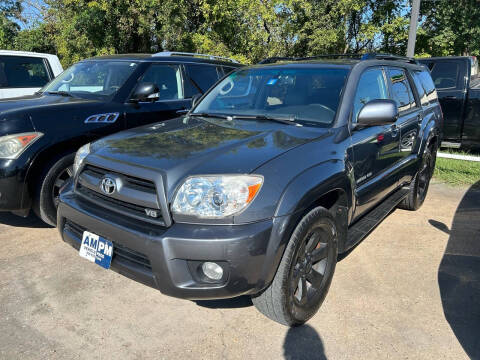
(409, 290)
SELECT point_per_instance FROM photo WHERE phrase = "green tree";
(10, 13)
(449, 28)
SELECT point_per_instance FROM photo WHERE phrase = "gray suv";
(277, 169)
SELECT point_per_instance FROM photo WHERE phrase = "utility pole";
(412, 33)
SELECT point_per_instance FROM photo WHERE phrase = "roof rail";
(367, 56)
(370, 56)
(211, 57)
(329, 56)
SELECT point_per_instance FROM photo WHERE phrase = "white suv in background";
(23, 73)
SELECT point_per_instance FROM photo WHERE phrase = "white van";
(23, 73)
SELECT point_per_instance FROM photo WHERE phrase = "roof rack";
(372, 56)
(367, 56)
(211, 57)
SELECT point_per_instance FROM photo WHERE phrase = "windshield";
(92, 78)
(305, 95)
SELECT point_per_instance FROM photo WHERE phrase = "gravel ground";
(409, 290)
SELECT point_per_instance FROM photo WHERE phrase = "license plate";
(96, 249)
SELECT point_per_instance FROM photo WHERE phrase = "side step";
(358, 231)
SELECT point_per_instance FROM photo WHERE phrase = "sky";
(31, 12)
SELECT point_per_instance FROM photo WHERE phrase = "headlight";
(11, 146)
(216, 196)
(80, 156)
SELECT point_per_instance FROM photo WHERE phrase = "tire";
(56, 173)
(419, 186)
(285, 300)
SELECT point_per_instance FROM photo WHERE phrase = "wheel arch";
(46, 156)
(308, 190)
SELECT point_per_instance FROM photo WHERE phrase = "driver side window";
(168, 78)
(371, 86)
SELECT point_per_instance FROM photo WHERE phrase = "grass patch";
(457, 172)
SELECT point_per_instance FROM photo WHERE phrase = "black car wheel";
(56, 174)
(305, 272)
(419, 186)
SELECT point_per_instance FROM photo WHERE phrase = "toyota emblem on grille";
(108, 185)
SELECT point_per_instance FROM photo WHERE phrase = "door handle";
(419, 118)
(182, 111)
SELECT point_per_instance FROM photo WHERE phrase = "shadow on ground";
(459, 272)
(233, 303)
(31, 221)
(303, 342)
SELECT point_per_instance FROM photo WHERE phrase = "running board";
(358, 231)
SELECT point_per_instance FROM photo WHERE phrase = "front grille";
(134, 182)
(120, 251)
(144, 188)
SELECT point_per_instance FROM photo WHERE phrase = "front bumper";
(14, 195)
(163, 258)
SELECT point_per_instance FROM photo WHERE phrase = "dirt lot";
(409, 290)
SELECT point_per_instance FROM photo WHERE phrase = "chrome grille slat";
(134, 197)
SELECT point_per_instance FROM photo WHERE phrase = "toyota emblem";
(108, 185)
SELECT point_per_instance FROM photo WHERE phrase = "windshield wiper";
(283, 120)
(61, 93)
(212, 115)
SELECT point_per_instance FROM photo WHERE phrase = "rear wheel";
(56, 174)
(305, 271)
(419, 186)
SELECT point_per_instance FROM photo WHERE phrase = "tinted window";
(420, 89)
(309, 96)
(20, 71)
(445, 74)
(93, 78)
(168, 78)
(400, 89)
(371, 86)
(203, 77)
(426, 88)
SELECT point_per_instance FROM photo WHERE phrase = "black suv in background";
(278, 168)
(39, 134)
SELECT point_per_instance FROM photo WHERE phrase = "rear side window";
(168, 78)
(425, 86)
(420, 89)
(371, 86)
(400, 89)
(202, 77)
(22, 72)
(445, 74)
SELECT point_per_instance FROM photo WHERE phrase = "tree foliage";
(248, 30)
(10, 13)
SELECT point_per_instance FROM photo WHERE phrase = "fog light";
(212, 271)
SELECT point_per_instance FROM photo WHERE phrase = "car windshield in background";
(308, 96)
(92, 78)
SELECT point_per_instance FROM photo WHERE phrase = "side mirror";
(195, 99)
(145, 92)
(378, 112)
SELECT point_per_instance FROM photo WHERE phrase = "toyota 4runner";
(277, 169)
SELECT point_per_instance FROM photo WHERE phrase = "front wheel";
(305, 271)
(55, 175)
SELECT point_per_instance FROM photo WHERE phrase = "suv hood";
(187, 146)
(37, 112)
(26, 103)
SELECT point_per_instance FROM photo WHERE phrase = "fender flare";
(301, 195)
